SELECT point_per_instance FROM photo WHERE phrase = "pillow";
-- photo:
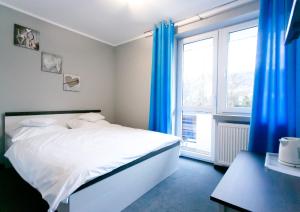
(28, 132)
(75, 124)
(37, 122)
(91, 117)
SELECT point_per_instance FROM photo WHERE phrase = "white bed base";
(119, 190)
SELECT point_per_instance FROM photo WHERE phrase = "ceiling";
(111, 21)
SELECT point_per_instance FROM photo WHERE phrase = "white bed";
(106, 181)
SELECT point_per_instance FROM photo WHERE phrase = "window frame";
(196, 38)
(179, 90)
(179, 79)
(224, 34)
(218, 75)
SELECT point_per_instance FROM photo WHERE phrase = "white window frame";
(220, 46)
(213, 108)
(222, 69)
(204, 36)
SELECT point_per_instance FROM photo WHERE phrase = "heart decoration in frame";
(71, 82)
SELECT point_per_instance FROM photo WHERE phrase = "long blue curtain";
(276, 99)
(160, 118)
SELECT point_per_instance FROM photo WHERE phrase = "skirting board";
(118, 191)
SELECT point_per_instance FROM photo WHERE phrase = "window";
(197, 90)
(197, 74)
(215, 75)
(236, 68)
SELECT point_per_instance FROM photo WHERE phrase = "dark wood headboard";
(28, 113)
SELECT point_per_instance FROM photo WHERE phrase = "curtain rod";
(207, 14)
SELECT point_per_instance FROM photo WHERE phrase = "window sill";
(239, 118)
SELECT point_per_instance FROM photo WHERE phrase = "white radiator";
(231, 138)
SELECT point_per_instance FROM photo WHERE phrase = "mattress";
(58, 163)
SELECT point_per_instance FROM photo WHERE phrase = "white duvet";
(57, 163)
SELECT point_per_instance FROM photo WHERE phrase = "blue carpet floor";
(187, 190)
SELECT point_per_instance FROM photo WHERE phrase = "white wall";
(133, 76)
(24, 87)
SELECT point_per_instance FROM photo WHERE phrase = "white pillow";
(92, 117)
(75, 124)
(37, 122)
(28, 132)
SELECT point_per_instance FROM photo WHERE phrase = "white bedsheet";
(57, 163)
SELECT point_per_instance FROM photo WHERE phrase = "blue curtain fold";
(160, 118)
(276, 97)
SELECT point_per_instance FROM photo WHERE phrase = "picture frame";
(71, 82)
(26, 37)
(51, 63)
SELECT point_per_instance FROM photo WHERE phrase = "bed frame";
(115, 190)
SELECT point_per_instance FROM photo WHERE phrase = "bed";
(111, 188)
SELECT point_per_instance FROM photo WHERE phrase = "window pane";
(241, 66)
(197, 73)
(196, 132)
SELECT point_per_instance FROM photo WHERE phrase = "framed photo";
(26, 37)
(51, 63)
(71, 82)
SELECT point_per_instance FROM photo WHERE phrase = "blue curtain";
(160, 118)
(276, 107)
